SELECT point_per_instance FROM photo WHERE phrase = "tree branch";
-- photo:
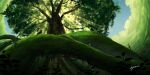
(42, 22)
(67, 12)
(46, 6)
(43, 12)
(66, 2)
(52, 5)
(38, 18)
(59, 7)
(55, 2)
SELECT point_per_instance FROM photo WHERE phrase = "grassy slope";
(45, 45)
(27, 50)
(103, 43)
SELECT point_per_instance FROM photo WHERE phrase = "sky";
(136, 31)
(120, 18)
(7, 28)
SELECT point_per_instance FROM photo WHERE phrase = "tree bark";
(55, 25)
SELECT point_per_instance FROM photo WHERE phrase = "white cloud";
(136, 27)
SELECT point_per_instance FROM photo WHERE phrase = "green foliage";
(6, 40)
(24, 16)
(4, 44)
(19, 18)
(100, 13)
(12, 37)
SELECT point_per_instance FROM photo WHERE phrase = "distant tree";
(56, 16)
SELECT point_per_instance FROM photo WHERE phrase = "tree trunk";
(55, 25)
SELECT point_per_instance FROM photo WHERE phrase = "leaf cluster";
(96, 15)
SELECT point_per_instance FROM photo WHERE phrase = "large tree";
(56, 16)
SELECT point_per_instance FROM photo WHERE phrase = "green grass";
(86, 46)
